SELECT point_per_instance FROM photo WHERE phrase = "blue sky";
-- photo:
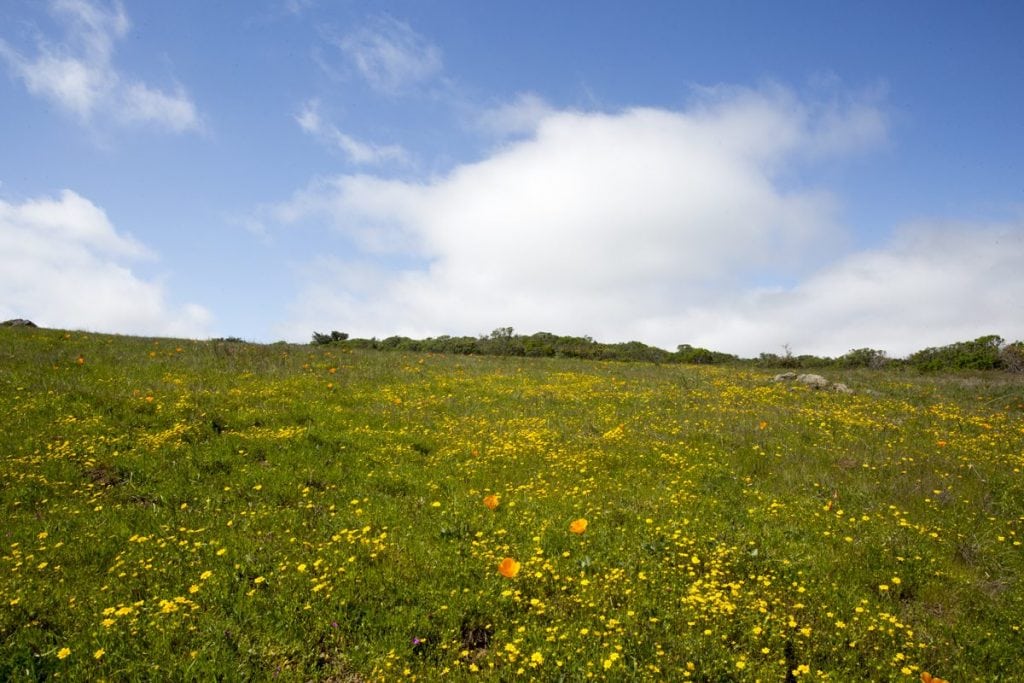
(740, 176)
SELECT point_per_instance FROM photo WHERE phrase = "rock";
(17, 322)
(813, 381)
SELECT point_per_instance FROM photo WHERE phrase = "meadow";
(186, 510)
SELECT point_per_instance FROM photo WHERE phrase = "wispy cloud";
(78, 73)
(298, 6)
(310, 120)
(518, 117)
(63, 264)
(391, 56)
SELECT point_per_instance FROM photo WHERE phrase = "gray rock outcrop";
(812, 381)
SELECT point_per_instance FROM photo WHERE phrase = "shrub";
(981, 354)
(863, 358)
(695, 355)
(1011, 357)
(334, 336)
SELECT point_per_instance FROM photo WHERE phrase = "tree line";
(990, 352)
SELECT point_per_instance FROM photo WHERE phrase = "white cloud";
(62, 264)
(391, 56)
(664, 226)
(935, 283)
(358, 152)
(143, 104)
(594, 224)
(79, 75)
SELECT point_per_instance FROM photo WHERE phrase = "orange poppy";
(508, 567)
(928, 678)
(578, 526)
(492, 501)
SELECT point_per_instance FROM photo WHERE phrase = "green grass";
(198, 510)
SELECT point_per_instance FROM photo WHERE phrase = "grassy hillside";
(180, 509)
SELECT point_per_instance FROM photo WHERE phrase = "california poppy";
(491, 502)
(578, 526)
(508, 567)
(928, 678)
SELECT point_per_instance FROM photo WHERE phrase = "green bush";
(334, 336)
(863, 358)
(981, 354)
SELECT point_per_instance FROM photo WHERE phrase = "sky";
(744, 176)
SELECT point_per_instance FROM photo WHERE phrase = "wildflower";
(81, 360)
(63, 653)
(205, 575)
(928, 678)
(99, 653)
(508, 567)
(763, 425)
(578, 526)
(491, 502)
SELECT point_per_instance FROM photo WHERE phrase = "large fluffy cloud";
(664, 226)
(78, 73)
(62, 264)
